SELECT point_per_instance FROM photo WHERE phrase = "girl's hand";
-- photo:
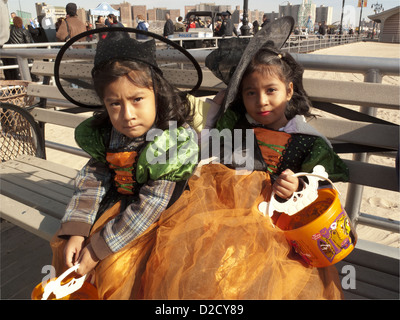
(286, 184)
(87, 260)
(73, 249)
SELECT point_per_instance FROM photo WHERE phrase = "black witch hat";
(83, 54)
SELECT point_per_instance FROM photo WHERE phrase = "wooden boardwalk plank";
(22, 257)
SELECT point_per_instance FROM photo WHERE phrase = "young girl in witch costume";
(214, 242)
(120, 193)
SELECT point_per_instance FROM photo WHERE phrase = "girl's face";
(132, 109)
(265, 97)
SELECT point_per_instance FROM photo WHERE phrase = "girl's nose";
(128, 111)
(263, 99)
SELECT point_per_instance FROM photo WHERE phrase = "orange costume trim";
(122, 164)
(271, 153)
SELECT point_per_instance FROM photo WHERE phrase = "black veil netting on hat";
(89, 50)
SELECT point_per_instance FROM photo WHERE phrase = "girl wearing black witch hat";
(142, 152)
(217, 243)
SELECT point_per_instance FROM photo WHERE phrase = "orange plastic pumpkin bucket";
(66, 287)
(321, 231)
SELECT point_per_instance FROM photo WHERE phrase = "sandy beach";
(381, 203)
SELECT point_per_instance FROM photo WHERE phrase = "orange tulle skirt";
(213, 243)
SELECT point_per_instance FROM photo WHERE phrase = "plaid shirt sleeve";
(135, 219)
(91, 184)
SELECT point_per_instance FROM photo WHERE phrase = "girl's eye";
(138, 99)
(114, 104)
(271, 90)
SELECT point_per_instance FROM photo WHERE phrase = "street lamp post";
(359, 25)
(377, 8)
(341, 20)
(245, 29)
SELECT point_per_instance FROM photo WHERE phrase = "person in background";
(114, 21)
(141, 26)
(58, 23)
(100, 22)
(12, 15)
(179, 26)
(17, 35)
(191, 24)
(71, 26)
(168, 26)
(265, 20)
(256, 26)
(227, 27)
(209, 23)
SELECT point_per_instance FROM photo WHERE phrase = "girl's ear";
(289, 94)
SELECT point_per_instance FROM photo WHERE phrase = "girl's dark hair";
(171, 105)
(285, 67)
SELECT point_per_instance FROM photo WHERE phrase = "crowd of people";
(223, 26)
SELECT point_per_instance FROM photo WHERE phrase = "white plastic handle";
(60, 291)
(301, 199)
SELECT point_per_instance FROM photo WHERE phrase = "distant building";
(323, 14)
(390, 24)
(290, 10)
(272, 16)
(304, 14)
(125, 13)
(53, 12)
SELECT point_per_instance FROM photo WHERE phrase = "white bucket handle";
(60, 291)
(300, 199)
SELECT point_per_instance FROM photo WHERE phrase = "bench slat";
(49, 166)
(357, 93)
(52, 92)
(28, 218)
(369, 259)
(41, 90)
(48, 171)
(372, 175)
(47, 187)
(364, 133)
(43, 68)
(369, 291)
(37, 184)
(59, 118)
(33, 199)
(372, 276)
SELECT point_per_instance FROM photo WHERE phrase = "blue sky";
(263, 5)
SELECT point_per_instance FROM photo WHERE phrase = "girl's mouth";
(264, 113)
